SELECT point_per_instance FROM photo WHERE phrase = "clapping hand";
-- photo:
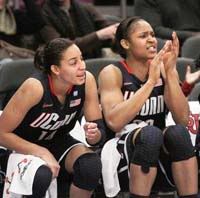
(171, 55)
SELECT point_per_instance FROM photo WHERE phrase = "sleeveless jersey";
(153, 111)
(50, 119)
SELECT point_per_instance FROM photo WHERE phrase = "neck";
(58, 88)
(138, 68)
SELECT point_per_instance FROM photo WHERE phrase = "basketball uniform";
(153, 112)
(49, 122)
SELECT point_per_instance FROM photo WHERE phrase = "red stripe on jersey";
(123, 62)
(52, 89)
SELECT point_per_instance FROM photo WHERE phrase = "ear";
(55, 69)
(124, 43)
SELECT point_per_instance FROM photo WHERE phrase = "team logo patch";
(74, 103)
(75, 93)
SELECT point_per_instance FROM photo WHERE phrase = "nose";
(82, 65)
(151, 38)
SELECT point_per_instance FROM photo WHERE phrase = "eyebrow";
(70, 59)
(145, 32)
(74, 58)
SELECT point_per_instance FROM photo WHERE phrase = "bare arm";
(117, 111)
(174, 97)
(28, 95)
(92, 110)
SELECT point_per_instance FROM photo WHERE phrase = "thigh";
(60, 149)
(164, 180)
(73, 155)
(62, 146)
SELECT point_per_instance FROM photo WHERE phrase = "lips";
(81, 75)
(152, 48)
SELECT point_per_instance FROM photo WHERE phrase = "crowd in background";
(30, 24)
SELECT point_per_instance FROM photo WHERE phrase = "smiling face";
(141, 42)
(72, 66)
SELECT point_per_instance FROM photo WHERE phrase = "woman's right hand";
(52, 163)
(156, 66)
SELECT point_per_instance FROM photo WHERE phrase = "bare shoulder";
(32, 83)
(90, 83)
(28, 95)
(31, 89)
(89, 77)
(109, 70)
(110, 73)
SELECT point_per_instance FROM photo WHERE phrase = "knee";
(41, 181)
(177, 143)
(87, 171)
(147, 147)
(150, 135)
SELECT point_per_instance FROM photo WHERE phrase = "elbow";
(114, 126)
(184, 120)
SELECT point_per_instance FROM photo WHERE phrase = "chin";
(152, 56)
(80, 82)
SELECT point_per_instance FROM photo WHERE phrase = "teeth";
(150, 47)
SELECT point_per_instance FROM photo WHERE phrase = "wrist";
(39, 151)
(151, 83)
(187, 88)
(171, 71)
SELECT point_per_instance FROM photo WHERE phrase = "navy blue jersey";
(153, 111)
(50, 119)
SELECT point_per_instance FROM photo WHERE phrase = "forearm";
(48, 33)
(175, 99)
(122, 113)
(85, 43)
(88, 42)
(16, 143)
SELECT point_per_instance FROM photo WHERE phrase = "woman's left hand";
(92, 133)
(171, 55)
